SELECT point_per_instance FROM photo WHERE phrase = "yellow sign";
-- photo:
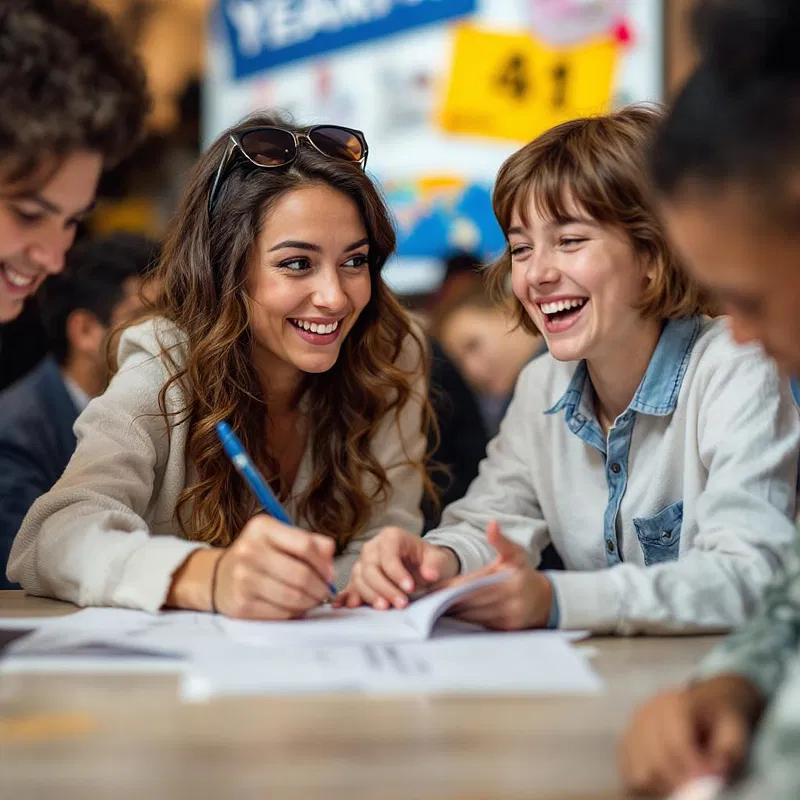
(510, 86)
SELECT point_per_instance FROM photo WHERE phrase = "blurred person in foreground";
(99, 290)
(489, 347)
(725, 167)
(73, 100)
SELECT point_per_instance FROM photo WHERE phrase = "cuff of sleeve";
(554, 618)
(148, 572)
(766, 675)
(586, 601)
(471, 553)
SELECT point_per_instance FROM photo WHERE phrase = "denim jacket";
(673, 522)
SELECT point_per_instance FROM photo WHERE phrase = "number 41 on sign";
(510, 86)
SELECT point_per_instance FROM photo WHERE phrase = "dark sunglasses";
(276, 147)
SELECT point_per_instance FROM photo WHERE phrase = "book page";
(425, 612)
(356, 625)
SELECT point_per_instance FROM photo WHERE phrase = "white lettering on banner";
(358, 10)
(246, 19)
(281, 23)
(325, 15)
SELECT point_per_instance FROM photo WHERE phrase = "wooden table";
(129, 736)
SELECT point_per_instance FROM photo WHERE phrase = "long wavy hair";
(202, 278)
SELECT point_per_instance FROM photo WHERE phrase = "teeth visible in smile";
(562, 305)
(314, 327)
(16, 278)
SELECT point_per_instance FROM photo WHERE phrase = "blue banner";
(263, 34)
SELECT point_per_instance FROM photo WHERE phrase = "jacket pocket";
(660, 535)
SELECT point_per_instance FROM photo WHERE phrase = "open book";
(327, 625)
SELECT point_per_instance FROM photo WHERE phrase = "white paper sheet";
(488, 663)
(126, 632)
(118, 632)
(333, 650)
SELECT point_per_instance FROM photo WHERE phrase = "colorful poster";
(510, 86)
(443, 99)
(438, 215)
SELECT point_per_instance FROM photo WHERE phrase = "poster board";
(444, 90)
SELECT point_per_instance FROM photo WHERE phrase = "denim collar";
(658, 392)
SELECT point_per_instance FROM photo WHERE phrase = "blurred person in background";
(457, 443)
(489, 347)
(462, 275)
(73, 100)
(23, 344)
(99, 290)
(460, 445)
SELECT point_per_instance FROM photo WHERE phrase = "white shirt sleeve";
(86, 541)
(502, 492)
(749, 438)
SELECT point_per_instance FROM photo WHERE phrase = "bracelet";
(214, 609)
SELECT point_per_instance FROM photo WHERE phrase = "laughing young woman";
(273, 316)
(658, 457)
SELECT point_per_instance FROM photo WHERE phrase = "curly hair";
(202, 277)
(68, 81)
(599, 163)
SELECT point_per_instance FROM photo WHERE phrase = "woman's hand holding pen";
(273, 571)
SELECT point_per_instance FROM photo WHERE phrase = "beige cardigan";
(106, 533)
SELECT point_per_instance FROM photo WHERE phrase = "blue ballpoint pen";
(253, 478)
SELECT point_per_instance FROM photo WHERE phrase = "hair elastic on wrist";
(214, 609)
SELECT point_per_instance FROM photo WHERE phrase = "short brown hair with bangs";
(600, 165)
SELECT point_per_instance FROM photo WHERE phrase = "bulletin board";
(445, 91)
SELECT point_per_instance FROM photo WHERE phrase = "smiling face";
(579, 281)
(749, 261)
(309, 281)
(37, 228)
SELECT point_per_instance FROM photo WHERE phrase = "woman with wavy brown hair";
(271, 315)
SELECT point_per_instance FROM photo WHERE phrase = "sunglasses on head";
(270, 147)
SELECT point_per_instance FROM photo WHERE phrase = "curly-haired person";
(73, 100)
